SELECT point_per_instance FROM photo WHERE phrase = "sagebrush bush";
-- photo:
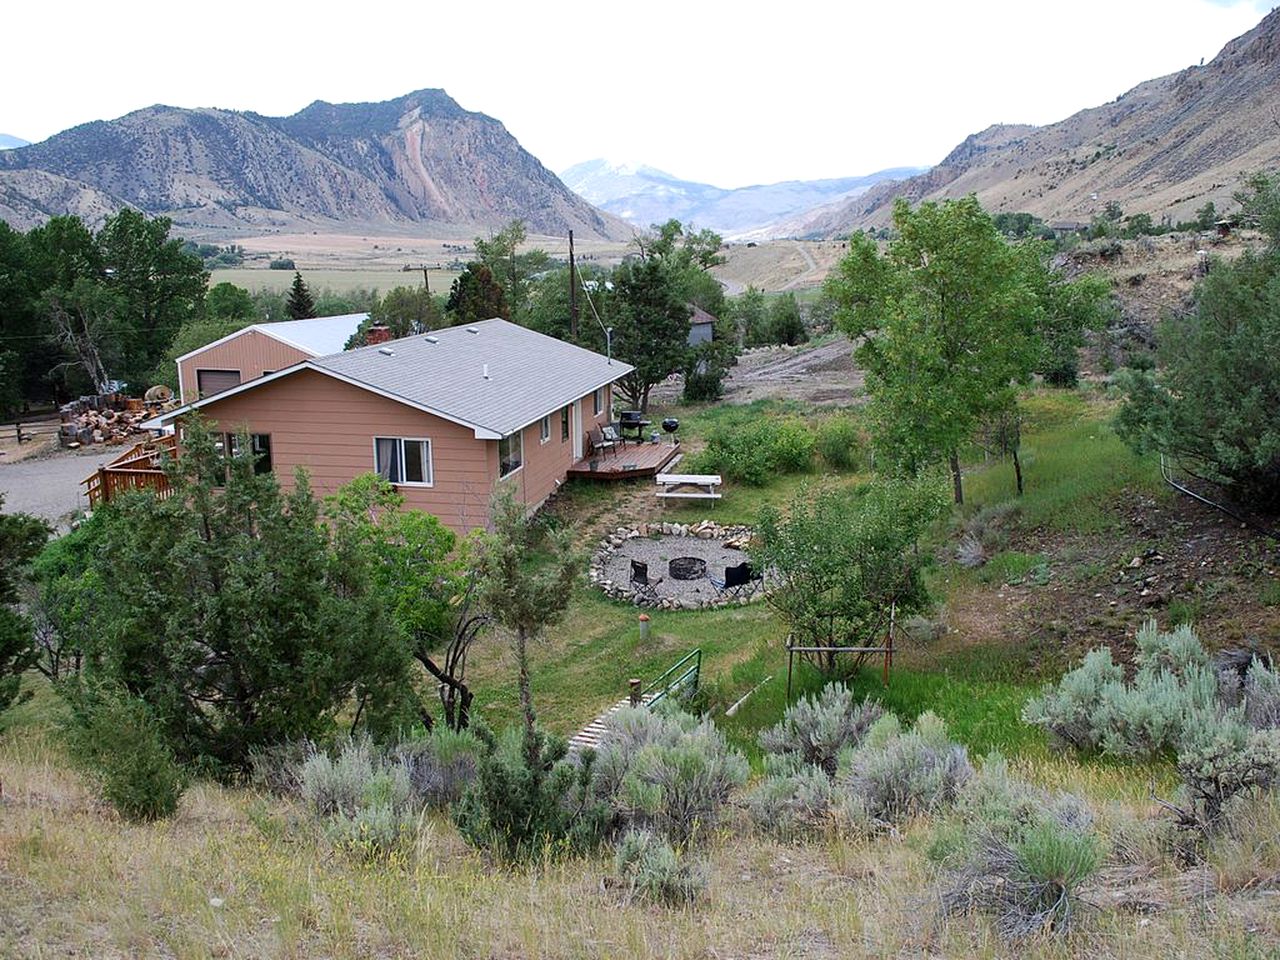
(1221, 760)
(816, 728)
(1093, 708)
(894, 773)
(668, 772)
(333, 785)
(374, 832)
(1016, 852)
(277, 769)
(840, 443)
(528, 800)
(793, 800)
(653, 870)
(115, 737)
(440, 766)
(1261, 696)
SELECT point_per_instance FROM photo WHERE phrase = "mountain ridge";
(642, 195)
(1165, 147)
(415, 159)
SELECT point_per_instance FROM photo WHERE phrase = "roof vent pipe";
(486, 371)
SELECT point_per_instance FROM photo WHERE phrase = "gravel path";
(50, 487)
(658, 552)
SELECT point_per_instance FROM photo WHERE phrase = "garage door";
(209, 382)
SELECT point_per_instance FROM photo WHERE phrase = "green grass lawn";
(1074, 466)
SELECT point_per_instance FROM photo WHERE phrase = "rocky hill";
(414, 160)
(644, 195)
(1164, 148)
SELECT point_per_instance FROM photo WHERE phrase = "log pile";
(111, 419)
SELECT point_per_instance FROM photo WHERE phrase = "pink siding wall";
(328, 427)
(547, 463)
(252, 353)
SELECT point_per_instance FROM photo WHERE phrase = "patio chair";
(644, 588)
(600, 442)
(739, 581)
(611, 435)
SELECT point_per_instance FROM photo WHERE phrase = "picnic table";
(689, 486)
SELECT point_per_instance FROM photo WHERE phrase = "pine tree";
(300, 305)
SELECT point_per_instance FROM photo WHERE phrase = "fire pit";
(687, 568)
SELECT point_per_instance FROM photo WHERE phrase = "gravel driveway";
(50, 486)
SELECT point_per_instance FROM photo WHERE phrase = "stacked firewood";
(111, 419)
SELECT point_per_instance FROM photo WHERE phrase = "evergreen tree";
(476, 295)
(21, 537)
(300, 305)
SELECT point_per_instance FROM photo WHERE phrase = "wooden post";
(18, 426)
(573, 292)
(634, 684)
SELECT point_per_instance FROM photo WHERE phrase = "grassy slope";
(75, 881)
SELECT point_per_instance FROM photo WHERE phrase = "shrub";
(753, 453)
(277, 769)
(1021, 854)
(332, 786)
(1222, 761)
(840, 443)
(520, 806)
(815, 729)
(283, 263)
(440, 767)
(1261, 696)
(1092, 708)
(373, 832)
(670, 773)
(117, 740)
(652, 870)
(895, 774)
(792, 801)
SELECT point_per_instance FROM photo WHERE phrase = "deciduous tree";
(946, 326)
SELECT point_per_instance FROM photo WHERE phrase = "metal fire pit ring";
(687, 568)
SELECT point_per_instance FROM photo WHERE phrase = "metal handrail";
(667, 683)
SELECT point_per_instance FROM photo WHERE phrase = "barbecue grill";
(633, 420)
(671, 425)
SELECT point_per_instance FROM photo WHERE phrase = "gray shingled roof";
(530, 375)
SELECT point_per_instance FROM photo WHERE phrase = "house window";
(510, 454)
(228, 445)
(597, 402)
(544, 429)
(564, 424)
(403, 460)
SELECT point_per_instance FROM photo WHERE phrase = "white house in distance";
(259, 349)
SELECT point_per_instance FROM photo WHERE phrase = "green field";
(338, 281)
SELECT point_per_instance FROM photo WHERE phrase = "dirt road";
(50, 487)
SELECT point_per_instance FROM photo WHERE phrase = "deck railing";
(141, 467)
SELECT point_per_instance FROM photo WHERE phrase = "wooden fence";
(25, 432)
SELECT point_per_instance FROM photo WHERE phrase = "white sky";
(727, 93)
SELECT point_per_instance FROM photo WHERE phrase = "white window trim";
(505, 476)
(597, 401)
(431, 456)
(544, 430)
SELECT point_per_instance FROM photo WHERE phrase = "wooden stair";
(591, 734)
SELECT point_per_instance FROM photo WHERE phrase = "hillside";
(418, 159)
(644, 195)
(1164, 148)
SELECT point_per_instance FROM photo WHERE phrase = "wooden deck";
(626, 463)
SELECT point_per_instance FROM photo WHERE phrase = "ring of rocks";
(656, 544)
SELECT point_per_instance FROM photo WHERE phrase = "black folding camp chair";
(739, 581)
(640, 582)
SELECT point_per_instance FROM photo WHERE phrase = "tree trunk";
(1017, 470)
(957, 484)
(532, 749)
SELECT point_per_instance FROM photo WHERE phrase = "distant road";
(731, 287)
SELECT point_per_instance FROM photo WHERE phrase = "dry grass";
(236, 874)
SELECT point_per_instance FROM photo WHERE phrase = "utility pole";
(426, 281)
(573, 292)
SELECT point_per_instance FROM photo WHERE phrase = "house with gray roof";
(447, 417)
